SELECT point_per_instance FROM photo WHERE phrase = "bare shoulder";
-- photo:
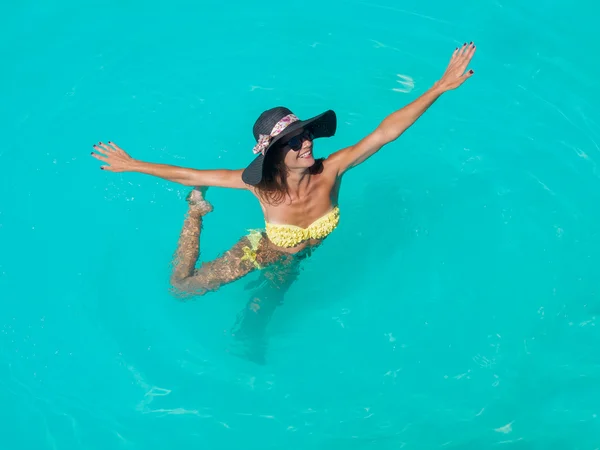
(332, 159)
(334, 162)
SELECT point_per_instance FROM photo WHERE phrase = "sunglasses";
(295, 143)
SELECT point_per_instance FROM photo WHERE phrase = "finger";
(468, 74)
(107, 168)
(454, 54)
(468, 50)
(471, 52)
(100, 149)
(106, 147)
(100, 157)
(115, 146)
(466, 57)
(460, 80)
(461, 51)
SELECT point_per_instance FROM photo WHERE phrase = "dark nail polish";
(91, 153)
(109, 142)
(101, 168)
(464, 44)
(470, 71)
(470, 42)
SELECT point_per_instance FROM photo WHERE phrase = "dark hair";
(273, 187)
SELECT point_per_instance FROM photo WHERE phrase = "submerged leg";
(252, 321)
(188, 246)
(274, 283)
(248, 254)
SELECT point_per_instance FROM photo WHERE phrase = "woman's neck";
(297, 181)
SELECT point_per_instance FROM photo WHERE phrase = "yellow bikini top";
(292, 235)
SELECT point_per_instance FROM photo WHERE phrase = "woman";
(298, 193)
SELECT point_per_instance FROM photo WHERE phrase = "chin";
(308, 162)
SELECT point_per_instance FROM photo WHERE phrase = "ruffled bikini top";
(292, 235)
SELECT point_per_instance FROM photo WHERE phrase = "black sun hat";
(274, 125)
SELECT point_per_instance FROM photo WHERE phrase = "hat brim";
(321, 126)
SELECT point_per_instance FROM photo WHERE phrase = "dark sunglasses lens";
(295, 143)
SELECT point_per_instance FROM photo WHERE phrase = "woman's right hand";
(455, 74)
(116, 158)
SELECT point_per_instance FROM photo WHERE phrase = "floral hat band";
(264, 140)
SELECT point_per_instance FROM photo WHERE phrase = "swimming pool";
(455, 306)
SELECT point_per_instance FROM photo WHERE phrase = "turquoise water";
(456, 305)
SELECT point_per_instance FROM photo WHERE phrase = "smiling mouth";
(306, 154)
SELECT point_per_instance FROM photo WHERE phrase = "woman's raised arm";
(117, 160)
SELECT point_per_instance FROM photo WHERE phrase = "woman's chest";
(302, 210)
(301, 213)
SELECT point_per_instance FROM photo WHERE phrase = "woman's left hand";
(455, 74)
